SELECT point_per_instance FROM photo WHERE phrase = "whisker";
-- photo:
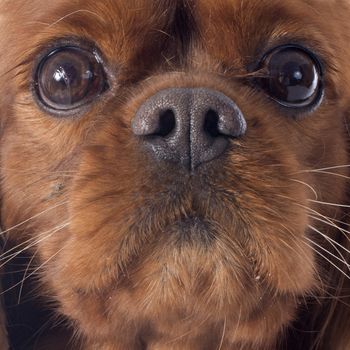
(174, 340)
(307, 185)
(338, 222)
(329, 173)
(330, 223)
(330, 204)
(23, 279)
(223, 335)
(32, 245)
(325, 169)
(328, 260)
(330, 220)
(32, 273)
(74, 13)
(6, 254)
(342, 260)
(35, 170)
(33, 217)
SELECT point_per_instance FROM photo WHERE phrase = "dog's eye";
(292, 77)
(68, 78)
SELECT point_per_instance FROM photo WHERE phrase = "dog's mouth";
(192, 228)
(191, 216)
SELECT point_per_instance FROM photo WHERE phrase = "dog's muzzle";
(188, 126)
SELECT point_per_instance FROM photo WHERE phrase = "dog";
(177, 170)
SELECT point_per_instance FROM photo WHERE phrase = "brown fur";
(104, 219)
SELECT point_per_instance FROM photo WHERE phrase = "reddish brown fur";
(117, 269)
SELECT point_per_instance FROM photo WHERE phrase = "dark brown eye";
(68, 78)
(292, 77)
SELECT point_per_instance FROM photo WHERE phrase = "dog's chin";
(190, 282)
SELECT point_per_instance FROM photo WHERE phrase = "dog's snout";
(188, 126)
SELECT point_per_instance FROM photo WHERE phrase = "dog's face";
(170, 162)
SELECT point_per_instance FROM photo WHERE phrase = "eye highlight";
(69, 77)
(292, 77)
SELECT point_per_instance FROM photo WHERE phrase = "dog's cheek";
(39, 159)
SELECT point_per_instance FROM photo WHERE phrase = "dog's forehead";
(120, 7)
(227, 29)
(134, 19)
(114, 12)
(122, 19)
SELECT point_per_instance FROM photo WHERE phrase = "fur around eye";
(68, 78)
(292, 77)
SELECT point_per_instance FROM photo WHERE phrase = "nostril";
(167, 123)
(211, 123)
(189, 126)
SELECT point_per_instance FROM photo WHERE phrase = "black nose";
(188, 126)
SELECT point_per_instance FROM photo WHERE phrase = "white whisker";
(330, 220)
(74, 13)
(24, 278)
(341, 258)
(33, 272)
(223, 335)
(33, 217)
(330, 223)
(33, 244)
(328, 260)
(330, 204)
(6, 254)
(330, 173)
(325, 169)
(307, 185)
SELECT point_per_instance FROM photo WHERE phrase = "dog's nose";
(188, 126)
